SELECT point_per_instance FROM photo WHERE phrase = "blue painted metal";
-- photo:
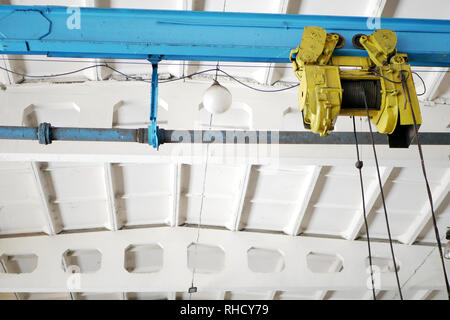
(92, 134)
(43, 133)
(18, 133)
(153, 129)
(180, 35)
(205, 136)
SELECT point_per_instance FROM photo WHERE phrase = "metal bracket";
(44, 133)
(154, 133)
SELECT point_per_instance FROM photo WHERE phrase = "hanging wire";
(256, 89)
(199, 225)
(203, 191)
(359, 165)
(52, 75)
(423, 84)
(427, 185)
(217, 70)
(190, 64)
(407, 94)
(382, 195)
(145, 80)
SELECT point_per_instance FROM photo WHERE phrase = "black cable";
(387, 79)
(422, 162)
(159, 82)
(399, 82)
(143, 80)
(240, 65)
(51, 75)
(359, 165)
(423, 84)
(382, 196)
(256, 89)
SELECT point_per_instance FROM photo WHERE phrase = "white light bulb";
(217, 99)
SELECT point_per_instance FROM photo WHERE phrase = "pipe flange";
(141, 135)
(44, 133)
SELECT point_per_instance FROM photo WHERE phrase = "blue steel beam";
(181, 35)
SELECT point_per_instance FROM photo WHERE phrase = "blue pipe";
(18, 133)
(153, 129)
(203, 136)
(85, 134)
(45, 134)
(210, 36)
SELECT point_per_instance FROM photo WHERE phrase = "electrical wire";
(216, 69)
(190, 64)
(359, 165)
(145, 80)
(256, 89)
(382, 195)
(422, 162)
(159, 82)
(201, 209)
(423, 84)
(203, 187)
(53, 75)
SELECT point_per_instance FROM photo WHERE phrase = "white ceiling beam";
(175, 276)
(5, 270)
(284, 155)
(419, 223)
(8, 78)
(171, 296)
(421, 295)
(235, 224)
(334, 267)
(52, 223)
(321, 294)
(369, 295)
(64, 265)
(271, 295)
(375, 8)
(221, 295)
(270, 74)
(98, 73)
(295, 225)
(179, 70)
(114, 218)
(433, 82)
(371, 194)
(174, 219)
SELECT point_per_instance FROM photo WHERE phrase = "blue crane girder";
(209, 36)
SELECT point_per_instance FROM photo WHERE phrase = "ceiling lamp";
(217, 99)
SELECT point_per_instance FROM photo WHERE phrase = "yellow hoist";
(332, 86)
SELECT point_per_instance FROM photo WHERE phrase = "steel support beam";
(174, 219)
(175, 276)
(235, 224)
(52, 224)
(114, 219)
(420, 221)
(214, 36)
(206, 136)
(372, 194)
(295, 225)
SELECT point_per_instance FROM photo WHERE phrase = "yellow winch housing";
(341, 85)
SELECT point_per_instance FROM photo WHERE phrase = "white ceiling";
(306, 192)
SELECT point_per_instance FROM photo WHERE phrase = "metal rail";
(45, 134)
(217, 36)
